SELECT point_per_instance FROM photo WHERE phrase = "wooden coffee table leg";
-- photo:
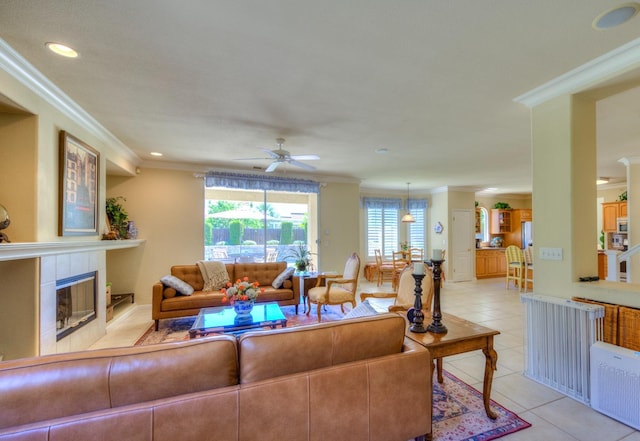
(491, 360)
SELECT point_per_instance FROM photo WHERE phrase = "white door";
(463, 245)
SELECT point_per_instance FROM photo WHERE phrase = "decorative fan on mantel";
(281, 155)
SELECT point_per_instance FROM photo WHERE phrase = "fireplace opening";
(75, 303)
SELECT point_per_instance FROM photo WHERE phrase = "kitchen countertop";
(491, 248)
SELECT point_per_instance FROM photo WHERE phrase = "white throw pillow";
(179, 285)
(284, 275)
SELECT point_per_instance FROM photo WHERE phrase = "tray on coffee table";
(224, 320)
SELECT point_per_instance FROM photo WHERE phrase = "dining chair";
(416, 254)
(399, 263)
(515, 266)
(528, 268)
(384, 270)
(338, 289)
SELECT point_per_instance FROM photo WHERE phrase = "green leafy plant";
(623, 196)
(602, 239)
(502, 206)
(301, 254)
(117, 215)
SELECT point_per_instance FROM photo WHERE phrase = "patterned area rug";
(458, 414)
(458, 409)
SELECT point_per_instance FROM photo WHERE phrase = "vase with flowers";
(242, 295)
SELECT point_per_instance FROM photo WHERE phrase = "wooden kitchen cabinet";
(611, 211)
(490, 263)
(501, 221)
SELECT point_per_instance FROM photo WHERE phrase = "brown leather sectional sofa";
(351, 379)
(166, 304)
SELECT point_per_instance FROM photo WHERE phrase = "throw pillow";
(284, 275)
(179, 285)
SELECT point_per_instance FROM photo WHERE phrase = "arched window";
(482, 229)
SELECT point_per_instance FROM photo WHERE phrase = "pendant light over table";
(408, 218)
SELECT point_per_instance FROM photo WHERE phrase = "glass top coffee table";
(223, 319)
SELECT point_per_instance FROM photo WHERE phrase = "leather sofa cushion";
(317, 346)
(264, 273)
(74, 383)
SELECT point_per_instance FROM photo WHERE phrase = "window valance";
(416, 204)
(387, 203)
(256, 182)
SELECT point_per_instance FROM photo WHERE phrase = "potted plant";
(118, 216)
(301, 254)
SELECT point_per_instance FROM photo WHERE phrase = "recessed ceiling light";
(616, 16)
(601, 181)
(491, 189)
(61, 49)
(155, 154)
(382, 151)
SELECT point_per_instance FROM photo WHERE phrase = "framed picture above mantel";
(79, 172)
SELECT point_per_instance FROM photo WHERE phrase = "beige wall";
(564, 173)
(339, 225)
(168, 209)
(18, 159)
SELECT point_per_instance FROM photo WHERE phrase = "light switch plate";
(550, 253)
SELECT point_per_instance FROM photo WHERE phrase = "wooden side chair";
(339, 289)
(416, 254)
(399, 263)
(384, 270)
(528, 268)
(515, 266)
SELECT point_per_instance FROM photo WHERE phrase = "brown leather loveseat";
(168, 304)
(350, 379)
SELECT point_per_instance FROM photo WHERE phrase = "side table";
(306, 281)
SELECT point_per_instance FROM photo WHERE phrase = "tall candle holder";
(418, 316)
(436, 326)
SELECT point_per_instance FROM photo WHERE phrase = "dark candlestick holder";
(436, 326)
(418, 315)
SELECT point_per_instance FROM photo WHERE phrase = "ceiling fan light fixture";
(408, 218)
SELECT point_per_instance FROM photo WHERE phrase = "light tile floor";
(553, 416)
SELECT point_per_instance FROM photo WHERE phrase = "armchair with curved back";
(404, 297)
(339, 289)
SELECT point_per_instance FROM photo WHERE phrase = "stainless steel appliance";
(527, 234)
(623, 225)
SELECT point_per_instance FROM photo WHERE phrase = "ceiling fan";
(281, 155)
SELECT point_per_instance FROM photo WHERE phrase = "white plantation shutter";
(417, 229)
(382, 224)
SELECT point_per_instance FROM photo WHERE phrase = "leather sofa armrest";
(295, 281)
(157, 297)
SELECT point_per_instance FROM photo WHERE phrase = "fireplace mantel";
(26, 250)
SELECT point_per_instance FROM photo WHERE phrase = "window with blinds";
(382, 231)
(417, 229)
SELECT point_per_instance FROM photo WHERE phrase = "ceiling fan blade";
(271, 153)
(305, 157)
(301, 164)
(249, 159)
(272, 166)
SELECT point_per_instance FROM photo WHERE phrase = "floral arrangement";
(404, 245)
(241, 290)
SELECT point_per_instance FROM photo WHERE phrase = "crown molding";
(20, 69)
(616, 62)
